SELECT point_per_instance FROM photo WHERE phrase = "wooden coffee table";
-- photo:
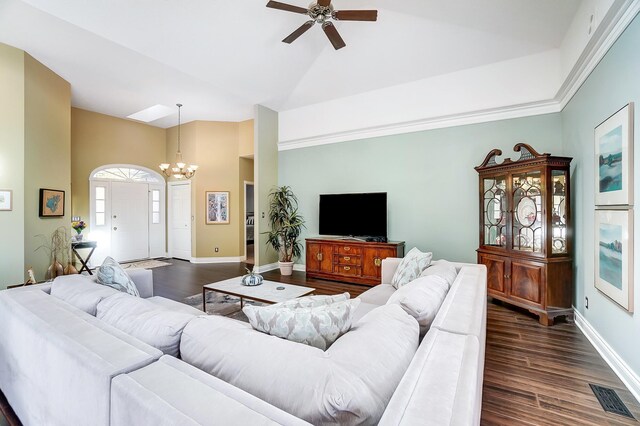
(267, 292)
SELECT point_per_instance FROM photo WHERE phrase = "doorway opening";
(249, 248)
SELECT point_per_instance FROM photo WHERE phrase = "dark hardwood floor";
(534, 375)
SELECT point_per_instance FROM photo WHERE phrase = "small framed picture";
(614, 159)
(6, 200)
(51, 203)
(217, 204)
(614, 255)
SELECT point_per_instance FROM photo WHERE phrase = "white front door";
(180, 221)
(129, 221)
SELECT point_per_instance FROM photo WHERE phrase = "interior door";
(180, 221)
(129, 221)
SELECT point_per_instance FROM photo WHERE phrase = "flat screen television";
(354, 215)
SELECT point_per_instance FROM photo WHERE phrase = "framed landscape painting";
(614, 159)
(614, 255)
(217, 207)
(51, 203)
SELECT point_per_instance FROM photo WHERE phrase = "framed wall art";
(6, 200)
(614, 255)
(51, 203)
(217, 204)
(614, 159)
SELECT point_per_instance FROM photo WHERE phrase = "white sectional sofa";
(61, 365)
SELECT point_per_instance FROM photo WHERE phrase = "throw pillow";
(313, 301)
(443, 269)
(421, 299)
(318, 326)
(111, 274)
(411, 267)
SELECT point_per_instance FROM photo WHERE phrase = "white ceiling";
(219, 58)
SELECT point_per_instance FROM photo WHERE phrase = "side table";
(77, 245)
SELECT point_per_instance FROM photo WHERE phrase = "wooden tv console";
(349, 260)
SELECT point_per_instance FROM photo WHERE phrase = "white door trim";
(170, 186)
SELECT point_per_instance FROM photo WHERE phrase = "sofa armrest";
(389, 266)
(143, 279)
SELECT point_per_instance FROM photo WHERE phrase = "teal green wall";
(614, 83)
(429, 177)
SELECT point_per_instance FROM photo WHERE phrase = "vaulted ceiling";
(219, 58)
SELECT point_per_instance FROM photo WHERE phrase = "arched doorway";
(127, 204)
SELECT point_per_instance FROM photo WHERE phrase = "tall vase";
(79, 236)
(54, 270)
(70, 269)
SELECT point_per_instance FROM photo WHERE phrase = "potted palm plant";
(286, 225)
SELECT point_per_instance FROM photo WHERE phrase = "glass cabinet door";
(559, 211)
(527, 225)
(495, 211)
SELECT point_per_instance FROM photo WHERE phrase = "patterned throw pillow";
(411, 267)
(313, 301)
(318, 326)
(111, 274)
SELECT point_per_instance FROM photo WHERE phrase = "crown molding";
(612, 26)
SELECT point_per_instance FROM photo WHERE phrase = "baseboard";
(233, 259)
(265, 268)
(617, 364)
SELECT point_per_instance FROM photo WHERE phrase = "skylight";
(152, 113)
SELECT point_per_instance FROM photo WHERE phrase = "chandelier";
(180, 170)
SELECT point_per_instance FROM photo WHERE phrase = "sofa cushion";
(464, 311)
(317, 326)
(351, 383)
(377, 295)
(175, 306)
(171, 392)
(410, 267)
(421, 299)
(111, 274)
(155, 325)
(444, 269)
(81, 292)
(362, 310)
(443, 384)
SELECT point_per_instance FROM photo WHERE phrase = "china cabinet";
(526, 231)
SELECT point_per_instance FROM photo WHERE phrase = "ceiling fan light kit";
(323, 13)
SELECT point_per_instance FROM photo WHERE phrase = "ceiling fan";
(321, 13)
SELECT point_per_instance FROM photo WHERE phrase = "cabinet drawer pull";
(347, 268)
(319, 256)
(377, 261)
(346, 248)
(347, 258)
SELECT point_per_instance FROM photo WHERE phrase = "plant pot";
(286, 268)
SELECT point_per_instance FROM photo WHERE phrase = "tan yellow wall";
(245, 143)
(12, 163)
(47, 155)
(98, 139)
(217, 153)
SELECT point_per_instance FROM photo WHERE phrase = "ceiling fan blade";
(334, 37)
(324, 3)
(297, 33)
(356, 15)
(288, 7)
